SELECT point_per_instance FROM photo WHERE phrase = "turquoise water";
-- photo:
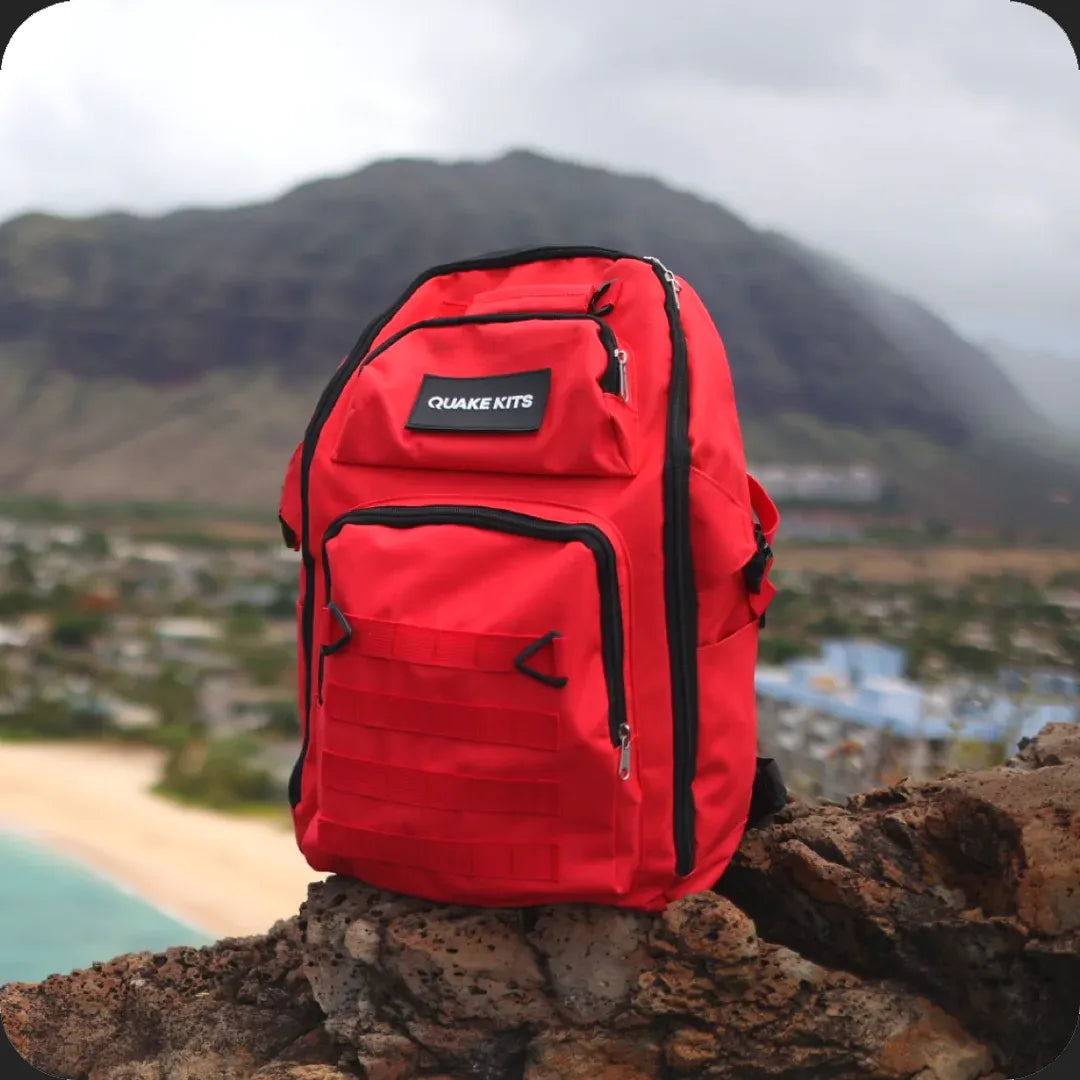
(56, 915)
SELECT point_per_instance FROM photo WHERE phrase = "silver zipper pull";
(624, 752)
(624, 380)
(669, 277)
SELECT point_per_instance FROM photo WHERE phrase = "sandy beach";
(222, 875)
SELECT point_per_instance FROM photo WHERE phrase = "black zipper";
(679, 594)
(610, 382)
(510, 521)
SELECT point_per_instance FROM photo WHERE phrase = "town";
(185, 638)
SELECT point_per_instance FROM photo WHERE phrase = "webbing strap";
(438, 790)
(512, 862)
(498, 725)
(450, 648)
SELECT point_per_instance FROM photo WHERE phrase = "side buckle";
(755, 570)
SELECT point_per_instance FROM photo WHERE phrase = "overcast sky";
(933, 143)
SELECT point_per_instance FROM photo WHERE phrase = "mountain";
(1049, 380)
(181, 355)
(968, 377)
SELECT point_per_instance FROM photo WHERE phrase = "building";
(853, 484)
(13, 637)
(229, 706)
(848, 719)
(129, 715)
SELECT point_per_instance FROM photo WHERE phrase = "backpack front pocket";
(531, 393)
(474, 738)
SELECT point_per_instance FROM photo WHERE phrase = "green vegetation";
(283, 720)
(94, 667)
(77, 630)
(974, 628)
(90, 653)
(109, 513)
(219, 774)
(778, 649)
(44, 719)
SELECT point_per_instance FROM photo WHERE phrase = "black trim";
(510, 521)
(558, 681)
(680, 592)
(288, 533)
(609, 381)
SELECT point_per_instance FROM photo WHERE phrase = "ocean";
(57, 915)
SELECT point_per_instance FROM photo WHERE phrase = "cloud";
(935, 143)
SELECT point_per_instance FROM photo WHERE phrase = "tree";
(937, 530)
(176, 698)
(267, 666)
(76, 631)
(20, 567)
(778, 649)
(831, 625)
(41, 719)
(282, 719)
(96, 544)
(283, 606)
(207, 583)
(245, 623)
(14, 602)
(221, 774)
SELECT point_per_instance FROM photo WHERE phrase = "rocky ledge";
(922, 932)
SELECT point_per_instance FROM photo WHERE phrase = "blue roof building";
(860, 686)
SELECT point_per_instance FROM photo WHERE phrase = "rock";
(967, 890)
(592, 956)
(574, 1055)
(935, 1047)
(1055, 744)
(223, 1011)
(284, 1071)
(920, 932)
(473, 967)
(362, 941)
(689, 1050)
(387, 1056)
(712, 928)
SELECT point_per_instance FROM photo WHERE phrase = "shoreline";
(75, 854)
(218, 875)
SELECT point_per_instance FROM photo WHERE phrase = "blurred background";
(202, 206)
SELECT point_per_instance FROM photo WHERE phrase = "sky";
(934, 144)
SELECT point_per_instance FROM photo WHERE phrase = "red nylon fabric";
(435, 765)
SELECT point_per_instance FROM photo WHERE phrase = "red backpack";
(533, 570)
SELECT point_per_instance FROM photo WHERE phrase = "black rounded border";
(14, 14)
(1066, 13)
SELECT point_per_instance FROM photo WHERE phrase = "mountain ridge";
(285, 286)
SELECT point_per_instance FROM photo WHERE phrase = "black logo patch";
(488, 403)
